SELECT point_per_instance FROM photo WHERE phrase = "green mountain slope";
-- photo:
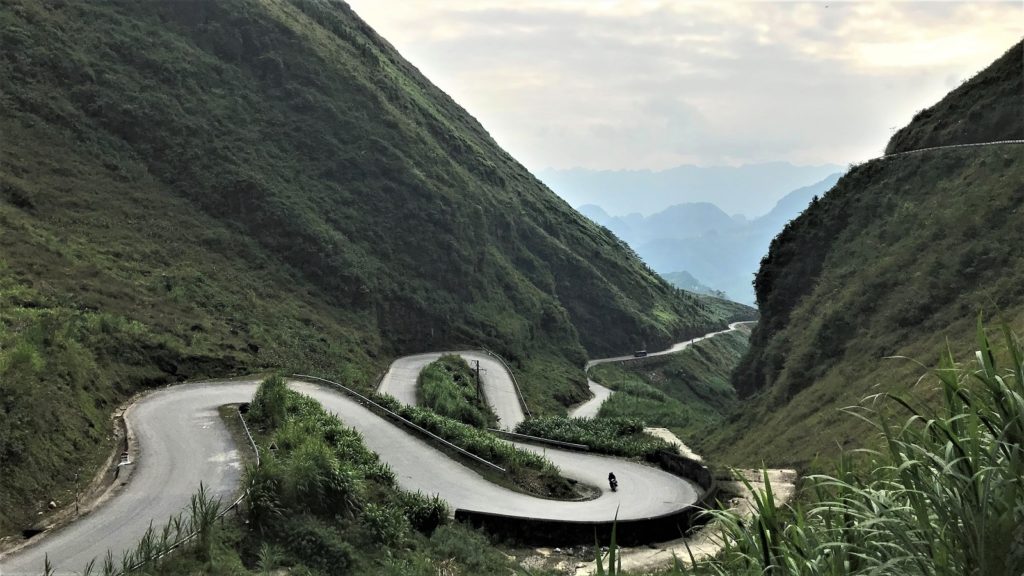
(901, 254)
(987, 108)
(199, 189)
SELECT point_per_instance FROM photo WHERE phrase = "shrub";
(386, 523)
(312, 542)
(268, 406)
(425, 513)
(617, 436)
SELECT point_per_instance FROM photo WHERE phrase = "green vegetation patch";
(527, 471)
(321, 501)
(449, 387)
(943, 496)
(616, 436)
(688, 392)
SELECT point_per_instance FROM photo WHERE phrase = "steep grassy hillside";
(689, 392)
(986, 108)
(198, 189)
(903, 253)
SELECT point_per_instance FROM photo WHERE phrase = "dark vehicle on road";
(640, 353)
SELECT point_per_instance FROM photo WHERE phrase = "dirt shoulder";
(111, 476)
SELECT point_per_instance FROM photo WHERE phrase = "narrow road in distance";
(590, 408)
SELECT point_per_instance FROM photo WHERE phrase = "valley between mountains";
(201, 200)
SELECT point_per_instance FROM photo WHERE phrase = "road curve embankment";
(590, 408)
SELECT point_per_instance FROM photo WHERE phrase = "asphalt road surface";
(183, 442)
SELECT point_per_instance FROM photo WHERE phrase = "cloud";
(652, 84)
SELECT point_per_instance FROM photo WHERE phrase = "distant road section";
(402, 377)
(590, 408)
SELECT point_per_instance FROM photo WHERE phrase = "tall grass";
(194, 528)
(449, 387)
(943, 495)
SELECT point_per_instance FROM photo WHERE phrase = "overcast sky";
(653, 84)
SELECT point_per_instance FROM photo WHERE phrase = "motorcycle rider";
(612, 482)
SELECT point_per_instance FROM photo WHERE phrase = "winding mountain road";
(183, 442)
(590, 408)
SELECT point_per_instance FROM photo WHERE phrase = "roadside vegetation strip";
(539, 440)
(387, 407)
(526, 471)
(614, 436)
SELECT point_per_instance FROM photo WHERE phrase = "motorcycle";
(614, 484)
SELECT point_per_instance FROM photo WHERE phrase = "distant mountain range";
(716, 250)
(750, 190)
(686, 281)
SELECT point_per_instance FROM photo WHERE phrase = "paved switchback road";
(644, 492)
(402, 378)
(183, 442)
(590, 408)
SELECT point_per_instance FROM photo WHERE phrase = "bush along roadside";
(449, 387)
(526, 471)
(942, 495)
(615, 436)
